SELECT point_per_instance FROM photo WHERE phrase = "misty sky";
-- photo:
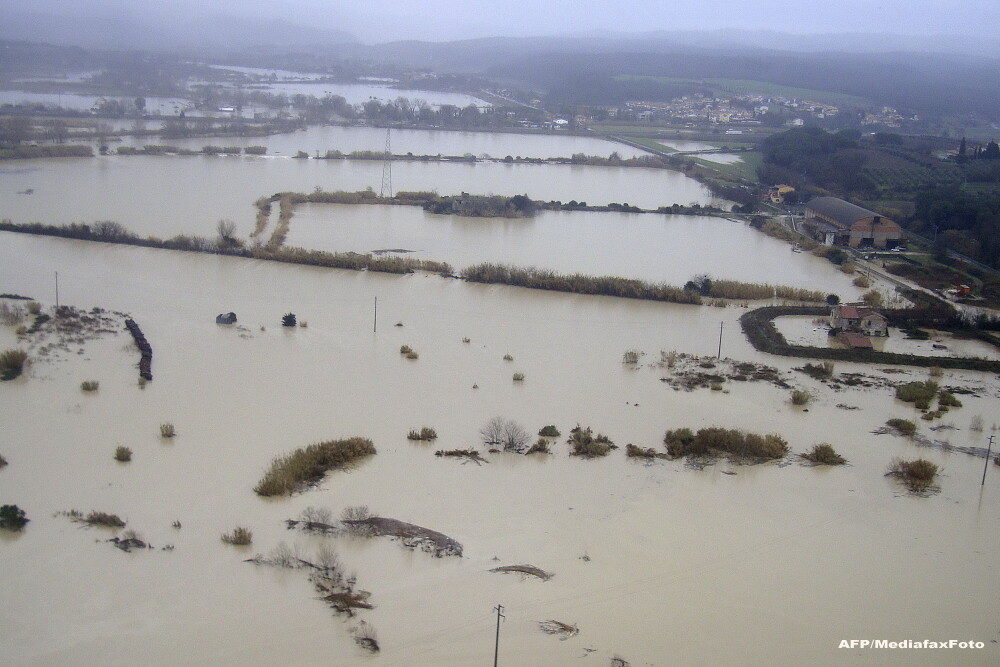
(445, 20)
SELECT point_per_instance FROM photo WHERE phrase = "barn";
(838, 222)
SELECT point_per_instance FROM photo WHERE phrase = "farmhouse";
(857, 318)
(837, 222)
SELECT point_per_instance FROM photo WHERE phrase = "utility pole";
(375, 317)
(989, 450)
(496, 648)
(719, 355)
(57, 290)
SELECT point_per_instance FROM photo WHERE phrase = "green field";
(723, 87)
(745, 169)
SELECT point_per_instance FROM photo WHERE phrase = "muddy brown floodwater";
(655, 562)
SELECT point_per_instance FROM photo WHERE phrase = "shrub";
(21, 330)
(584, 443)
(96, 518)
(405, 349)
(12, 363)
(549, 431)
(824, 453)
(508, 357)
(255, 150)
(90, 385)
(800, 397)
(631, 451)
(948, 399)
(305, 466)
(123, 454)
(505, 434)
(873, 298)
(630, 357)
(34, 307)
(904, 426)
(412, 355)
(862, 282)
(167, 430)
(10, 315)
(919, 393)
(3, 461)
(724, 441)
(425, 433)
(239, 536)
(917, 474)
(540, 447)
(822, 371)
(12, 517)
(669, 358)
(935, 372)
(288, 320)
(976, 424)
(518, 377)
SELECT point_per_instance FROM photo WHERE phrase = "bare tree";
(505, 434)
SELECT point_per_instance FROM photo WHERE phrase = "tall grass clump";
(307, 465)
(167, 430)
(123, 454)
(90, 385)
(12, 363)
(825, 454)
(425, 433)
(904, 426)
(917, 474)
(518, 377)
(583, 442)
(800, 397)
(630, 357)
(239, 536)
(919, 393)
(949, 400)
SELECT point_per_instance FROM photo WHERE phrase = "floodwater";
(770, 565)
(169, 195)
(667, 248)
(722, 158)
(320, 139)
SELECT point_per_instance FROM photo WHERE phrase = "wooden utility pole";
(57, 290)
(375, 317)
(496, 647)
(989, 450)
(719, 355)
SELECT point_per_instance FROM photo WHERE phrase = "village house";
(858, 318)
(837, 222)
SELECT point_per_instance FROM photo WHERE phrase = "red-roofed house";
(858, 318)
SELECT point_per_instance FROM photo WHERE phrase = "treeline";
(113, 232)
(966, 222)
(160, 149)
(55, 150)
(811, 155)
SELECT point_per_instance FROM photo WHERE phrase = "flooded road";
(771, 565)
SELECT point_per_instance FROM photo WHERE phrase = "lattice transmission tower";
(386, 190)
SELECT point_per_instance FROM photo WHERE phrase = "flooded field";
(668, 248)
(169, 195)
(154, 105)
(658, 563)
(320, 138)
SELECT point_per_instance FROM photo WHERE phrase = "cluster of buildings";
(737, 109)
(888, 117)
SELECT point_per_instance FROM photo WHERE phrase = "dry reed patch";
(238, 536)
(824, 454)
(307, 466)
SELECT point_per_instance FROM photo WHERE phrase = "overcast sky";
(445, 20)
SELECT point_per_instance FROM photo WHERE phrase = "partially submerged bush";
(123, 454)
(800, 397)
(425, 433)
(288, 320)
(549, 431)
(505, 434)
(824, 453)
(541, 446)
(90, 385)
(167, 430)
(630, 357)
(412, 355)
(919, 393)
(239, 536)
(948, 399)
(306, 466)
(918, 474)
(405, 349)
(12, 363)
(631, 451)
(822, 371)
(95, 518)
(12, 517)
(3, 461)
(584, 443)
(518, 377)
(717, 441)
(904, 426)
